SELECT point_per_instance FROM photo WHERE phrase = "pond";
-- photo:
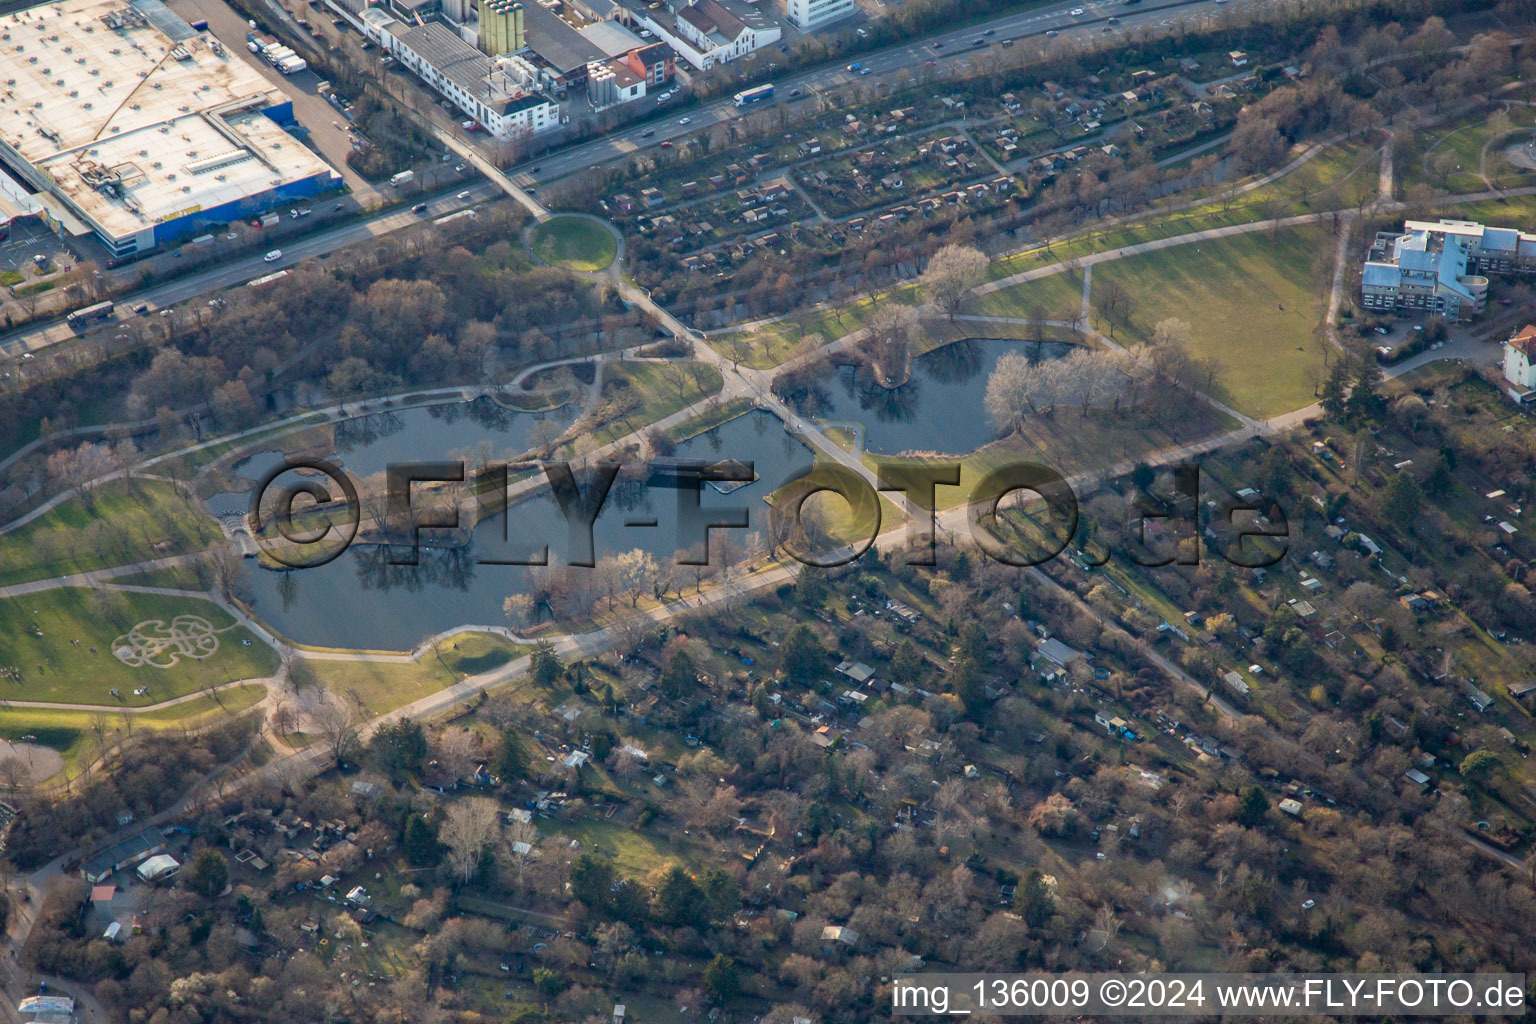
(940, 410)
(478, 431)
(361, 601)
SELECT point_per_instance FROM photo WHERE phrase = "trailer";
(266, 279)
(749, 96)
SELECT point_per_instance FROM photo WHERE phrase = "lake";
(939, 410)
(361, 601)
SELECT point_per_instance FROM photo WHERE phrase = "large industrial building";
(136, 128)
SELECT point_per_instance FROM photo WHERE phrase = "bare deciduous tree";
(952, 274)
(336, 722)
(469, 827)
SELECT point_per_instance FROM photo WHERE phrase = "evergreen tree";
(1402, 499)
(511, 757)
(1365, 401)
(208, 874)
(1336, 391)
(1033, 900)
(721, 893)
(906, 663)
(401, 748)
(679, 902)
(680, 675)
(965, 679)
(1253, 807)
(545, 664)
(422, 849)
(802, 655)
(721, 979)
(592, 881)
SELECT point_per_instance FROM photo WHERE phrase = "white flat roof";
(102, 90)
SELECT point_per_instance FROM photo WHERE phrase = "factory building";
(132, 126)
(500, 94)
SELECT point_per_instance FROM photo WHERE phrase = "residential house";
(1520, 364)
(709, 32)
(656, 63)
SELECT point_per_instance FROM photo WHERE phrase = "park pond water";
(939, 410)
(360, 600)
(478, 432)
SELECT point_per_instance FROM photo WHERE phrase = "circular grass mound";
(574, 243)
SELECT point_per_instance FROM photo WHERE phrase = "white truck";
(403, 178)
(291, 65)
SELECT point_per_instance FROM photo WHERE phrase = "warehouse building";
(134, 127)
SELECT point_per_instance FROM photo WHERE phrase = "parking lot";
(30, 238)
(309, 107)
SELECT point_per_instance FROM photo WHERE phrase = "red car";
(667, 144)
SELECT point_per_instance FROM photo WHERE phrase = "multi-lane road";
(248, 268)
(943, 49)
(946, 49)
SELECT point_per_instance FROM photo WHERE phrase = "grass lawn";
(128, 523)
(635, 853)
(1516, 211)
(471, 653)
(1461, 150)
(574, 243)
(174, 577)
(383, 686)
(1055, 294)
(1254, 303)
(69, 732)
(636, 395)
(55, 668)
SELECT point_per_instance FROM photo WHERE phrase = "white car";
(463, 196)
(273, 256)
(684, 120)
(1076, 12)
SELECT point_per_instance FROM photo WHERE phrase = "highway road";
(944, 49)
